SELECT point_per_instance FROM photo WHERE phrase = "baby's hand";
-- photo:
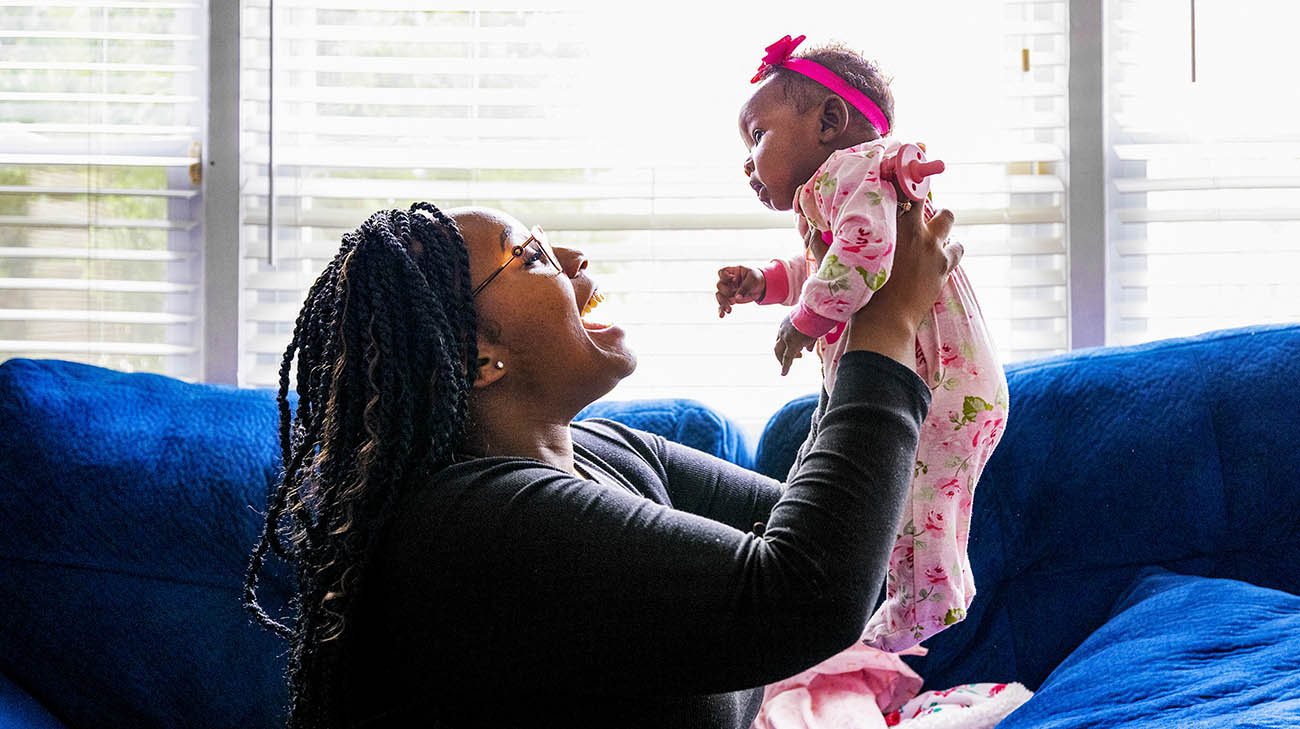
(738, 285)
(790, 345)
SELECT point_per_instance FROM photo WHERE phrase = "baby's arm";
(851, 202)
(776, 283)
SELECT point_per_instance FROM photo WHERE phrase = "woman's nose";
(571, 260)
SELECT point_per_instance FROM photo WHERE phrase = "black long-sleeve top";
(511, 593)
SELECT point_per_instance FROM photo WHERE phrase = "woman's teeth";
(595, 300)
(588, 324)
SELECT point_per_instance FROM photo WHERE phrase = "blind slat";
(95, 347)
(97, 316)
(19, 221)
(95, 191)
(96, 160)
(104, 254)
(81, 284)
(1200, 215)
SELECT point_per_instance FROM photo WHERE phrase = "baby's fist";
(738, 285)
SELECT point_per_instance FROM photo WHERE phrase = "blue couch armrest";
(18, 710)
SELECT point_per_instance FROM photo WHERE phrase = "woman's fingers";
(953, 252)
(941, 224)
(914, 219)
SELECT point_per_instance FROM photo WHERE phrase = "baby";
(815, 130)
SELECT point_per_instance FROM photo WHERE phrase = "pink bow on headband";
(777, 54)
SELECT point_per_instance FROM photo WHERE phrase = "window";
(1204, 214)
(101, 114)
(615, 130)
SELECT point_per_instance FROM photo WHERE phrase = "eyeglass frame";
(535, 235)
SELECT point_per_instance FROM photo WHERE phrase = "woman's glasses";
(534, 249)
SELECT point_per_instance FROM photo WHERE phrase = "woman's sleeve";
(860, 214)
(561, 582)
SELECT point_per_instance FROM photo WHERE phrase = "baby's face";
(783, 145)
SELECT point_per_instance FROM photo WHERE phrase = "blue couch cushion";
(18, 710)
(683, 421)
(130, 504)
(1179, 651)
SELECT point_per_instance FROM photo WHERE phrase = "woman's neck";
(508, 431)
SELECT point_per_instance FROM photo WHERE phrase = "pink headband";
(778, 56)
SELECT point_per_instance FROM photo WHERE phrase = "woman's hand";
(922, 261)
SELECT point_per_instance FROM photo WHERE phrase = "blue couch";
(1135, 540)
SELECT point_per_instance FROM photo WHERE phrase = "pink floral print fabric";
(929, 583)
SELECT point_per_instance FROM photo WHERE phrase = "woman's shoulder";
(631, 452)
(606, 434)
(635, 453)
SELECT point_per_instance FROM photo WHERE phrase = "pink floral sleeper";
(929, 584)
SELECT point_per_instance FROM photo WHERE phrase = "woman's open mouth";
(592, 303)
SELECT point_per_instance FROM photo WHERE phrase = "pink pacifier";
(911, 171)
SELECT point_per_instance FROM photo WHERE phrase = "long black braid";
(385, 344)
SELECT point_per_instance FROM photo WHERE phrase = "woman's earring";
(500, 365)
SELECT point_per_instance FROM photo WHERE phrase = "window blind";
(1204, 188)
(101, 109)
(616, 131)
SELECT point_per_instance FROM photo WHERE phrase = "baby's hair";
(849, 65)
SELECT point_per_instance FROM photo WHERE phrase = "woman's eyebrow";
(505, 235)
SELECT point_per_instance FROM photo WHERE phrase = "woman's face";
(531, 317)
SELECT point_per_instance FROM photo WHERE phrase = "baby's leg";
(853, 689)
(833, 702)
(929, 584)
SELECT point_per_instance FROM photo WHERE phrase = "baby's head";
(792, 123)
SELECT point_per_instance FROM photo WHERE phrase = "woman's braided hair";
(386, 350)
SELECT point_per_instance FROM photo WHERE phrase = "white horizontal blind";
(616, 131)
(1204, 220)
(101, 112)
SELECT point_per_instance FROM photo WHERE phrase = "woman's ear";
(834, 119)
(491, 363)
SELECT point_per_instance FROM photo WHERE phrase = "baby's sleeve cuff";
(810, 322)
(777, 282)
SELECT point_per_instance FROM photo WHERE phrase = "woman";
(467, 556)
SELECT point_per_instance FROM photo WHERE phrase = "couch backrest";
(129, 504)
(681, 420)
(1181, 453)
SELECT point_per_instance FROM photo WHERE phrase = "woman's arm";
(525, 576)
